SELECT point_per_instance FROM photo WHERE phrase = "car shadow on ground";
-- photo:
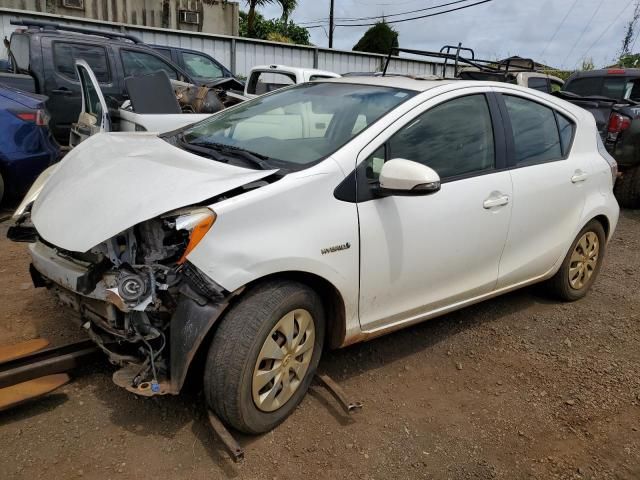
(166, 416)
(361, 358)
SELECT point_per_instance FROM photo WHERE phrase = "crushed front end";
(137, 296)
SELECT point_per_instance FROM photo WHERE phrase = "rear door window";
(138, 63)
(65, 55)
(535, 131)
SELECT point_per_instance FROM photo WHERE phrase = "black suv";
(42, 59)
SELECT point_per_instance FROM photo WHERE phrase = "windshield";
(298, 126)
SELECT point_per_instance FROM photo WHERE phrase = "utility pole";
(331, 25)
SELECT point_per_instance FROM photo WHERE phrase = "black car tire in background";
(627, 189)
(1, 188)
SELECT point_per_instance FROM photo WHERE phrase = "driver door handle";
(496, 201)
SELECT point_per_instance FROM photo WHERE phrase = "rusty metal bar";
(46, 362)
(235, 451)
(336, 391)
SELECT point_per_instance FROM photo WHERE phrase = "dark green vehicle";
(613, 97)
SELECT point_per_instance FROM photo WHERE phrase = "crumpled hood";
(113, 181)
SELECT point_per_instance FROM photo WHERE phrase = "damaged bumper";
(155, 338)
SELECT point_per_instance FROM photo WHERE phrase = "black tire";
(1, 188)
(237, 343)
(559, 285)
(627, 189)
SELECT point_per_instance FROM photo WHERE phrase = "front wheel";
(264, 355)
(581, 264)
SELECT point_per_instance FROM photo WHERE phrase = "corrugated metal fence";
(237, 53)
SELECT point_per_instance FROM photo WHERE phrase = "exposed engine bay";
(133, 285)
(138, 297)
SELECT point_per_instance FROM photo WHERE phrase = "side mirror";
(405, 177)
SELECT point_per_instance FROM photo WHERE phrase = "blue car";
(26, 144)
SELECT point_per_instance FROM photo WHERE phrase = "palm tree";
(288, 6)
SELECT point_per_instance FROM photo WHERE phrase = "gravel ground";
(516, 387)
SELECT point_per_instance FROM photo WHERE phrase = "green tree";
(631, 60)
(628, 36)
(288, 6)
(380, 38)
(274, 30)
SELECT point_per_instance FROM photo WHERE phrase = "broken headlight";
(197, 222)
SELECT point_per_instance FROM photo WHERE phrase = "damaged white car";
(311, 218)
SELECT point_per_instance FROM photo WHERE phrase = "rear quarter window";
(566, 128)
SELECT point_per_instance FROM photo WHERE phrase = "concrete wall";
(215, 16)
(241, 54)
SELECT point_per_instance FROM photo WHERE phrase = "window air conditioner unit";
(188, 16)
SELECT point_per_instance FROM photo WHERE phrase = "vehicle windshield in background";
(610, 87)
(299, 126)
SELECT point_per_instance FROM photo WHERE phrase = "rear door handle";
(497, 201)
(579, 176)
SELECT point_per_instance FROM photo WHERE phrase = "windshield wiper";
(208, 152)
(252, 157)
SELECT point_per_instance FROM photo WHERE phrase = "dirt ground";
(516, 387)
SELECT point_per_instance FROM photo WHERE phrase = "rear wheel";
(581, 264)
(264, 355)
(627, 189)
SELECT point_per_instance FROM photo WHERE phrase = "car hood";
(111, 182)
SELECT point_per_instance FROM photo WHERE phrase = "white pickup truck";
(267, 78)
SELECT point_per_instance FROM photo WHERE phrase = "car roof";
(406, 83)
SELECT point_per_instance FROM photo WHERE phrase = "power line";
(385, 4)
(417, 18)
(346, 19)
(615, 19)
(557, 30)
(583, 32)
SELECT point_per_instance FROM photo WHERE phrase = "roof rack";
(45, 25)
(501, 68)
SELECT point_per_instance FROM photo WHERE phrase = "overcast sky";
(593, 29)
